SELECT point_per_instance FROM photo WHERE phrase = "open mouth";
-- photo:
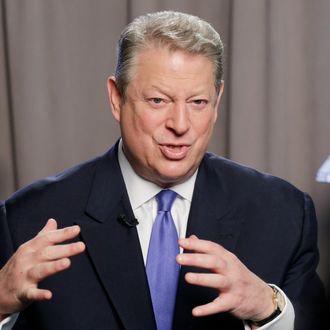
(174, 152)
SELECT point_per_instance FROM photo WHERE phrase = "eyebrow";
(199, 94)
(158, 89)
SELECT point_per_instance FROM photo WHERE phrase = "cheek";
(140, 127)
(204, 125)
(151, 125)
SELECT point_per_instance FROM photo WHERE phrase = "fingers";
(35, 294)
(213, 257)
(208, 255)
(54, 252)
(198, 245)
(216, 306)
(240, 291)
(51, 224)
(50, 258)
(49, 235)
(35, 260)
(43, 270)
(207, 261)
(215, 281)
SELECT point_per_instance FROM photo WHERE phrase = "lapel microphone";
(131, 222)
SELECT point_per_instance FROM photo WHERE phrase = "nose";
(178, 120)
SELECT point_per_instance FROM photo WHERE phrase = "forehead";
(169, 68)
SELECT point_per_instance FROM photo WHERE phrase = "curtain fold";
(8, 178)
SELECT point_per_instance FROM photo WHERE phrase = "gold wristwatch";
(279, 304)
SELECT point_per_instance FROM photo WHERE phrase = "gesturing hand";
(33, 261)
(241, 292)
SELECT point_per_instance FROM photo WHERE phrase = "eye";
(200, 102)
(156, 100)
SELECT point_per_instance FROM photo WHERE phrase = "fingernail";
(75, 228)
(184, 241)
(48, 295)
(191, 277)
(65, 262)
(197, 312)
(182, 258)
(80, 246)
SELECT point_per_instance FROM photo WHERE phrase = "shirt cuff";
(285, 320)
(9, 322)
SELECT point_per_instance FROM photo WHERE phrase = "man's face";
(168, 114)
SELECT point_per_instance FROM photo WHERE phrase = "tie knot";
(165, 200)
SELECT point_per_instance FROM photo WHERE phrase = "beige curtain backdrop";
(55, 56)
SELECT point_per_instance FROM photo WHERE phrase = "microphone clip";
(130, 222)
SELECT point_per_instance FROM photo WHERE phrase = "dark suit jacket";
(266, 222)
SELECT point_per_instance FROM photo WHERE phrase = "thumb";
(51, 224)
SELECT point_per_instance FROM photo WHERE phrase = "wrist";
(278, 302)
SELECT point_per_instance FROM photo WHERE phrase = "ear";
(219, 99)
(115, 98)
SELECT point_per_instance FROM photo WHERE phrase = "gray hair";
(174, 30)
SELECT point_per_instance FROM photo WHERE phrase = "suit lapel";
(212, 217)
(213, 214)
(115, 252)
(113, 246)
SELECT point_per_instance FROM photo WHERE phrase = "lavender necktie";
(162, 269)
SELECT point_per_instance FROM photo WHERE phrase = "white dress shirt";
(142, 194)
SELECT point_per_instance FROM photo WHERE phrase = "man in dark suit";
(248, 241)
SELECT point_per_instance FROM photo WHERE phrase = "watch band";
(271, 317)
(278, 303)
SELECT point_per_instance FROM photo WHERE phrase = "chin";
(171, 178)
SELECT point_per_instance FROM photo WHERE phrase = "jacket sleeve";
(6, 246)
(303, 285)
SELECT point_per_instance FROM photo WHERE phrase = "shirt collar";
(140, 190)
